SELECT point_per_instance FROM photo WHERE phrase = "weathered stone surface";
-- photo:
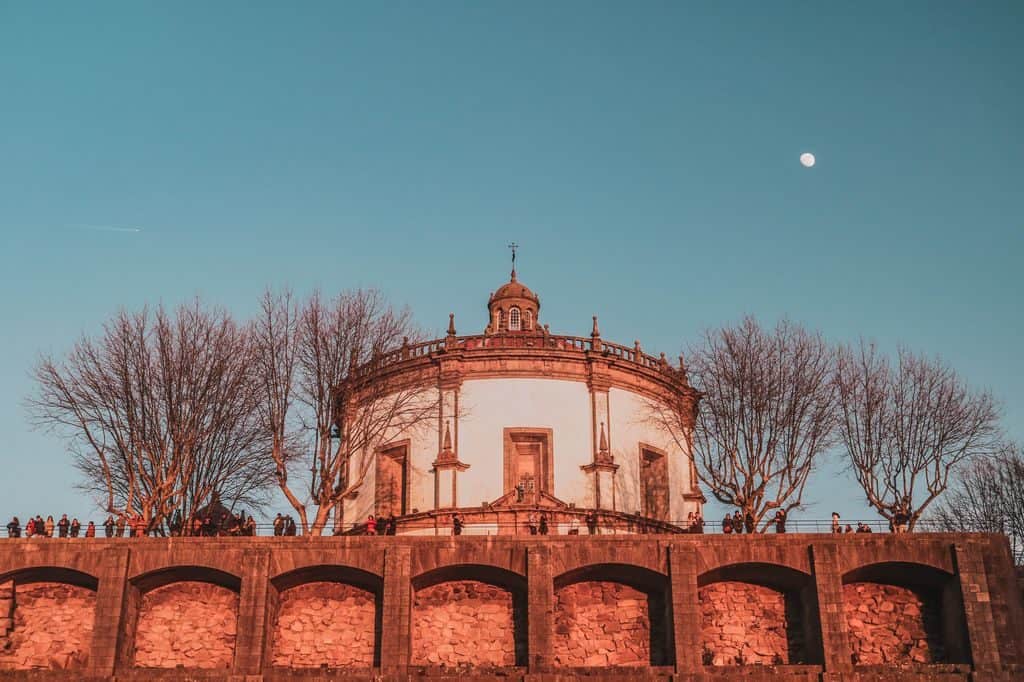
(325, 623)
(189, 624)
(52, 626)
(463, 622)
(601, 624)
(744, 624)
(891, 624)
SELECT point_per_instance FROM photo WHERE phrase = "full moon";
(807, 159)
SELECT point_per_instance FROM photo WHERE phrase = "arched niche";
(181, 617)
(325, 616)
(758, 613)
(612, 615)
(51, 612)
(469, 615)
(904, 613)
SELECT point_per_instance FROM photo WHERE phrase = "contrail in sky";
(109, 228)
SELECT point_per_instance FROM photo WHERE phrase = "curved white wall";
(486, 407)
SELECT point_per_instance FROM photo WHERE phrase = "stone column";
(396, 623)
(684, 608)
(540, 610)
(252, 625)
(828, 584)
(981, 634)
(111, 597)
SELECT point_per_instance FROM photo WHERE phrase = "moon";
(807, 159)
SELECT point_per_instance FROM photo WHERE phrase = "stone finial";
(447, 447)
(595, 333)
(602, 445)
(636, 347)
(663, 360)
(682, 363)
(451, 324)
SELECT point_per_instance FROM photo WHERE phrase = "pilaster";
(981, 634)
(250, 641)
(685, 608)
(396, 645)
(828, 584)
(540, 609)
(110, 612)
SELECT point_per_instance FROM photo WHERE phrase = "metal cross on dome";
(513, 246)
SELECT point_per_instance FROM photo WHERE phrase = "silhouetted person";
(456, 524)
(748, 522)
(737, 522)
(727, 525)
(62, 526)
(289, 526)
(250, 527)
(780, 521)
(14, 528)
(120, 524)
(90, 530)
(591, 520)
(698, 523)
(391, 526)
(74, 528)
(108, 526)
(279, 525)
(543, 524)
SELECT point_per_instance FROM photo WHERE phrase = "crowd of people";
(36, 527)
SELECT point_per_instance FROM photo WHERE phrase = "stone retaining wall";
(51, 626)
(463, 623)
(325, 623)
(189, 624)
(601, 624)
(745, 624)
(890, 624)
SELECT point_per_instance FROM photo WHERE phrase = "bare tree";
(159, 412)
(767, 414)
(988, 497)
(906, 427)
(328, 402)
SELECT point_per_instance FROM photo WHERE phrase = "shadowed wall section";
(189, 624)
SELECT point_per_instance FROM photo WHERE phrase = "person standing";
(456, 524)
(14, 528)
(75, 527)
(279, 525)
(49, 526)
(748, 522)
(90, 530)
(371, 525)
(737, 522)
(108, 526)
(780, 521)
(698, 524)
(543, 523)
(119, 525)
(591, 520)
(62, 526)
(836, 526)
(727, 525)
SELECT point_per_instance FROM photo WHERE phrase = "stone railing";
(539, 342)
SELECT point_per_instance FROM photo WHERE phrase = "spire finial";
(513, 246)
(447, 447)
(451, 324)
(595, 332)
(602, 446)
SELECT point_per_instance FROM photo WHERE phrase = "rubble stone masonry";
(325, 623)
(45, 626)
(601, 624)
(191, 624)
(919, 607)
(463, 622)
(892, 624)
(748, 624)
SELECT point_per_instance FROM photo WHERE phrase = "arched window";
(528, 320)
(514, 321)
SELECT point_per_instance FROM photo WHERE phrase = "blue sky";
(645, 156)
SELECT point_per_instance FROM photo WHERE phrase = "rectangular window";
(528, 462)
(392, 480)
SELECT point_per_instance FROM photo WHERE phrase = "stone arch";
(900, 612)
(47, 615)
(469, 615)
(182, 616)
(612, 615)
(325, 616)
(758, 613)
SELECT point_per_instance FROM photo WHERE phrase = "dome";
(513, 308)
(514, 289)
